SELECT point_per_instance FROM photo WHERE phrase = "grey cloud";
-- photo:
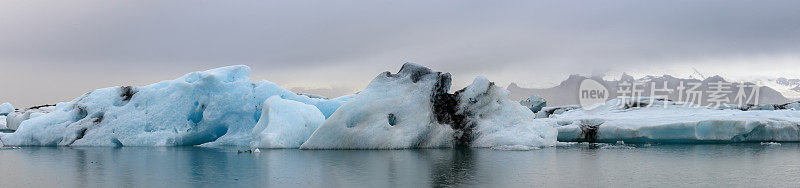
(104, 43)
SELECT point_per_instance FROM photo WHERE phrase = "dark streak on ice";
(636, 104)
(98, 119)
(589, 132)
(445, 110)
(41, 106)
(127, 92)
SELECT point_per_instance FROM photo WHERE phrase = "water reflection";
(688, 165)
(455, 170)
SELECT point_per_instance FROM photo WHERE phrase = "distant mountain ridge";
(566, 93)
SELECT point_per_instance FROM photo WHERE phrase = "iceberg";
(414, 109)
(6, 108)
(218, 107)
(222, 107)
(285, 124)
(535, 103)
(394, 111)
(495, 120)
(662, 121)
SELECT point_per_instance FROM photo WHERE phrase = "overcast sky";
(53, 51)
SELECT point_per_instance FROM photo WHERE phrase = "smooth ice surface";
(285, 123)
(672, 122)
(215, 107)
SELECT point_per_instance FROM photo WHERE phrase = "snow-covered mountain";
(789, 87)
(566, 93)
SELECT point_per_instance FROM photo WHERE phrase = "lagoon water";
(578, 165)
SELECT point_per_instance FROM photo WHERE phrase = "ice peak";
(228, 74)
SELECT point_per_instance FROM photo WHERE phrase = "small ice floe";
(515, 147)
(770, 144)
(619, 145)
(256, 150)
(564, 144)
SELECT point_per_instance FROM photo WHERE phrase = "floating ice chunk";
(534, 103)
(216, 107)
(674, 123)
(495, 120)
(392, 112)
(285, 123)
(413, 109)
(6, 108)
(770, 144)
(616, 146)
(564, 144)
(515, 148)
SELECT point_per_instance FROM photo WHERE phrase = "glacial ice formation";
(394, 111)
(669, 122)
(547, 111)
(747, 107)
(221, 107)
(534, 103)
(3, 122)
(496, 120)
(285, 123)
(212, 108)
(6, 108)
(413, 109)
(15, 118)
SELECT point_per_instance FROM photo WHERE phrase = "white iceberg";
(496, 120)
(670, 122)
(413, 109)
(285, 124)
(214, 107)
(394, 111)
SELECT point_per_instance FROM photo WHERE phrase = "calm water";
(580, 165)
